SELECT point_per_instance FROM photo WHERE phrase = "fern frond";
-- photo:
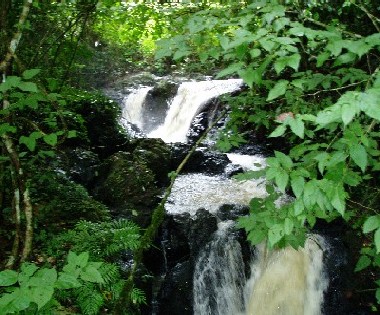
(89, 299)
(138, 296)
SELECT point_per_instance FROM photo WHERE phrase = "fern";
(138, 296)
(103, 240)
(89, 299)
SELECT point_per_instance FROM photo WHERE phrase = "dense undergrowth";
(313, 82)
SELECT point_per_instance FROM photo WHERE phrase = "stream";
(225, 281)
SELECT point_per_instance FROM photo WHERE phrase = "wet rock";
(201, 161)
(233, 169)
(197, 127)
(80, 165)
(177, 292)
(232, 212)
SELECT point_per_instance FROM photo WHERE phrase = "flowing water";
(282, 282)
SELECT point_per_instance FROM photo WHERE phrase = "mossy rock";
(128, 186)
(60, 202)
(156, 154)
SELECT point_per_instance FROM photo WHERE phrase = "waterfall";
(287, 281)
(190, 99)
(281, 282)
(219, 276)
(132, 109)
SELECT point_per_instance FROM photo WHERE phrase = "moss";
(61, 202)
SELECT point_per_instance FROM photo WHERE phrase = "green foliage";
(34, 285)
(103, 240)
(321, 67)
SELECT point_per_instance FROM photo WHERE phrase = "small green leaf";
(359, 155)
(28, 74)
(363, 262)
(297, 183)
(233, 68)
(278, 90)
(278, 132)
(8, 277)
(6, 127)
(371, 223)
(297, 126)
(338, 201)
(82, 259)
(51, 139)
(250, 76)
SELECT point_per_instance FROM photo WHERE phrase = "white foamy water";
(190, 99)
(193, 191)
(132, 109)
(248, 162)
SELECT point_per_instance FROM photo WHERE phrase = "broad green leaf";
(29, 142)
(322, 159)
(41, 295)
(267, 43)
(378, 295)
(280, 23)
(278, 90)
(72, 134)
(358, 47)
(292, 61)
(256, 236)
(6, 127)
(27, 270)
(363, 262)
(338, 200)
(10, 82)
(377, 240)
(8, 277)
(359, 155)
(336, 46)
(250, 76)
(297, 183)
(91, 274)
(275, 234)
(371, 223)
(233, 68)
(288, 226)
(28, 87)
(44, 277)
(21, 300)
(51, 139)
(284, 160)
(181, 53)
(281, 180)
(67, 281)
(82, 259)
(278, 132)
(298, 207)
(349, 110)
(28, 74)
(297, 126)
(321, 58)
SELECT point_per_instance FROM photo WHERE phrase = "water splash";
(219, 276)
(190, 99)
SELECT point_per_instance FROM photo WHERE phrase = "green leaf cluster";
(34, 285)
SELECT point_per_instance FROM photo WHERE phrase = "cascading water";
(190, 99)
(282, 282)
(219, 276)
(133, 106)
